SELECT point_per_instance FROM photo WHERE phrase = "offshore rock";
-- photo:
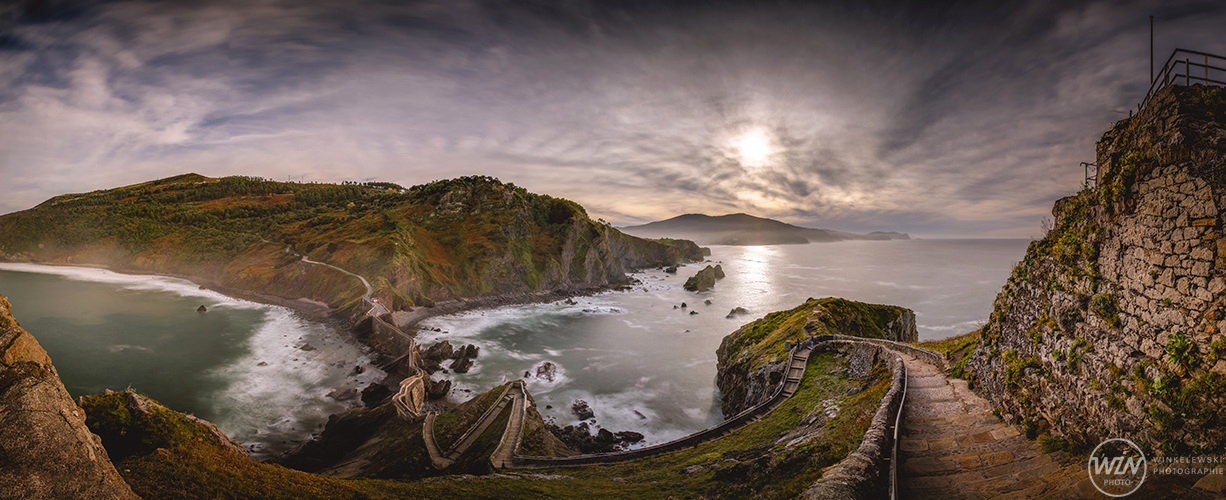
(581, 409)
(705, 279)
(47, 450)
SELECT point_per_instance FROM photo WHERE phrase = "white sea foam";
(143, 282)
(272, 408)
(267, 408)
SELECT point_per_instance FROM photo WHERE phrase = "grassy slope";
(765, 337)
(165, 455)
(463, 237)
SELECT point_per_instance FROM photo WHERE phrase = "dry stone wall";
(1112, 325)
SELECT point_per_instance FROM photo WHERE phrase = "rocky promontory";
(46, 449)
(751, 360)
(463, 239)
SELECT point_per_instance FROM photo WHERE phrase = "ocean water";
(239, 365)
(646, 366)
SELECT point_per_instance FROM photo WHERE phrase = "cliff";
(45, 447)
(462, 238)
(1112, 325)
(751, 360)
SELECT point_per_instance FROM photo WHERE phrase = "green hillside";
(458, 238)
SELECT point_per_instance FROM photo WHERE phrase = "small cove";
(240, 365)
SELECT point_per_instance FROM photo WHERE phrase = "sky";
(941, 120)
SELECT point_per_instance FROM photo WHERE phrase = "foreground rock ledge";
(46, 451)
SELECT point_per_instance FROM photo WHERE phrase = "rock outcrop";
(705, 279)
(1113, 324)
(751, 360)
(580, 437)
(45, 447)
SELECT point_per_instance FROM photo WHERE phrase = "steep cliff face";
(1112, 325)
(46, 451)
(751, 360)
(460, 238)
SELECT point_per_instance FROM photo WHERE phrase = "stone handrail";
(679, 444)
(489, 413)
(864, 473)
(933, 357)
(513, 435)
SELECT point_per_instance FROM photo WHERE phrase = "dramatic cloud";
(968, 119)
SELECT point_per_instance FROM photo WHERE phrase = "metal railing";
(1187, 67)
(1091, 174)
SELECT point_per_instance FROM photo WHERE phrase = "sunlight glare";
(753, 148)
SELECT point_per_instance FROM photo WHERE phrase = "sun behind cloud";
(753, 147)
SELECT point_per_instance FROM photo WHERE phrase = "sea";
(261, 373)
(643, 361)
(639, 358)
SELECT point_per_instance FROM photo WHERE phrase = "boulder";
(375, 394)
(437, 389)
(671, 269)
(343, 395)
(579, 437)
(737, 311)
(439, 352)
(547, 371)
(692, 313)
(461, 365)
(202, 309)
(629, 436)
(307, 347)
(581, 409)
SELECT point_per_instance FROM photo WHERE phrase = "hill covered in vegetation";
(459, 238)
(745, 229)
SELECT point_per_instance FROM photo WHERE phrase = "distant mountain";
(744, 229)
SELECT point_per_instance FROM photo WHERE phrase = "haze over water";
(628, 352)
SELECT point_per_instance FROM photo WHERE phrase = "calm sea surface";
(640, 363)
(106, 330)
(648, 367)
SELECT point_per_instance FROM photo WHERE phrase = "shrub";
(1103, 306)
(1181, 353)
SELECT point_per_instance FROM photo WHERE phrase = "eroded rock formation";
(45, 447)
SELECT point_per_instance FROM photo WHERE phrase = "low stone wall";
(689, 441)
(932, 357)
(866, 472)
(383, 337)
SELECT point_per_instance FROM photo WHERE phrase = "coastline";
(335, 317)
(307, 308)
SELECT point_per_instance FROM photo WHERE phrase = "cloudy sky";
(963, 120)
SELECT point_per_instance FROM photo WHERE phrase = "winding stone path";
(952, 447)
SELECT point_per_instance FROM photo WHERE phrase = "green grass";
(449, 426)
